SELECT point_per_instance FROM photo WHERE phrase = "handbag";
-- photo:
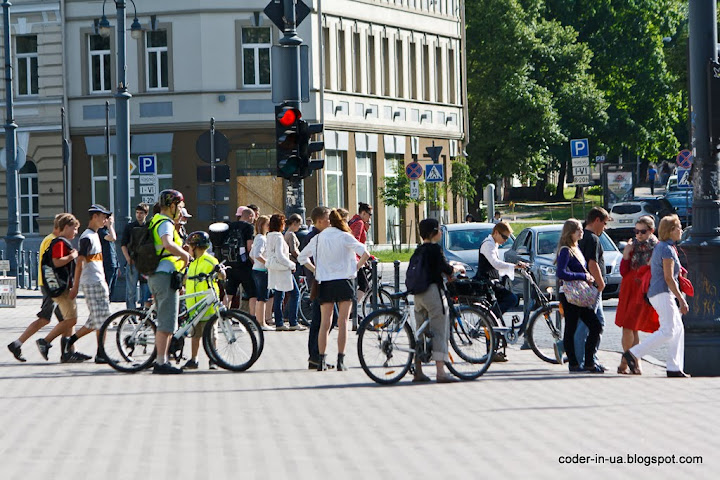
(580, 292)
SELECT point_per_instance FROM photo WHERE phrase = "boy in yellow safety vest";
(203, 264)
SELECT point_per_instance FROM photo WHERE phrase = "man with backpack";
(132, 276)
(236, 252)
(166, 280)
(90, 275)
(424, 280)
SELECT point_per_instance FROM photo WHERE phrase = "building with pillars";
(386, 79)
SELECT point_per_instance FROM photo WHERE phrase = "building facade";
(385, 78)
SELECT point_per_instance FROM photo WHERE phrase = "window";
(392, 214)
(413, 71)
(259, 160)
(426, 72)
(439, 71)
(451, 75)
(156, 56)
(365, 161)
(372, 89)
(399, 69)
(101, 191)
(326, 48)
(386, 66)
(29, 198)
(99, 64)
(256, 56)
(334, 163)
(27, 64)
(342, 79)
(357, 64)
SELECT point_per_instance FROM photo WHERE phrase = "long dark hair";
(336, 220)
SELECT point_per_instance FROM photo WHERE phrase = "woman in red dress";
(634, 313)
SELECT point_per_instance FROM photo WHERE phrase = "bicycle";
(388, 342)
(384, 299)
(230, 337)
(543, 328)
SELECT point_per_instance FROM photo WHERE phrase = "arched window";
(29, 198)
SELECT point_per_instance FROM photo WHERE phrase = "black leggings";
(573, 313)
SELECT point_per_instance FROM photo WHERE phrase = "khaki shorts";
(199, 329)
(68, 307)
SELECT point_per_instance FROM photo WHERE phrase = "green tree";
(462, 183)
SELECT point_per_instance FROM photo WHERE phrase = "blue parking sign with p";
(580, 148)
(147, 164)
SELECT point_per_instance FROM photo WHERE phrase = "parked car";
(682, 201)
(625, 215)
(461, 243)
(671, 185)
(538, 245)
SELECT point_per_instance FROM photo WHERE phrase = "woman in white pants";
(663, 293)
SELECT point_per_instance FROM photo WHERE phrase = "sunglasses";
(640, 232)
(504, 237)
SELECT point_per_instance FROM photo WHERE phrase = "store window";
(255, 160)
(334, 163)
(392, 214)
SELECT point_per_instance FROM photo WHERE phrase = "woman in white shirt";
(280, 274)
(259, 270)
(334, 252)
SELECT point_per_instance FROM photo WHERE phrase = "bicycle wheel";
(129, 346)
(256, 330)
(234, 346)
(385, 346)
(473, 341)
(384, 302)
(305, 309)
(545, 330)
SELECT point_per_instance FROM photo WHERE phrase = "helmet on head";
(169, 197)
(198, 239)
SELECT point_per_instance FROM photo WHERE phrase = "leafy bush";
(595, 190)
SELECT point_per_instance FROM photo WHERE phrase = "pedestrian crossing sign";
(434, 172)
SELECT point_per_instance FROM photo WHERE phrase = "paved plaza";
(278, 420)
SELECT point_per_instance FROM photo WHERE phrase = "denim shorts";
(261, 284)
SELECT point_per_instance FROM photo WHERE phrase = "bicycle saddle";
(399, 295)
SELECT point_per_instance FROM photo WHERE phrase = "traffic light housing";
(289, 163)
(306, 147)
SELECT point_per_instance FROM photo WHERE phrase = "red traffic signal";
(288, 116)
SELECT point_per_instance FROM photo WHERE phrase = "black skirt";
(335, 291)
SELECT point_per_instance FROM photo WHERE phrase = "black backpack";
(56, 279)
(142, 247)
(417, 278)
(230, 250)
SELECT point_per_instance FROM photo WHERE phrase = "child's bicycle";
(388, 342)
(230, 337)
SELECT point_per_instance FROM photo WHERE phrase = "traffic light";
(306, 147)
(289, 163)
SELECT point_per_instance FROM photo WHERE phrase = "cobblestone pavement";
(278, 420)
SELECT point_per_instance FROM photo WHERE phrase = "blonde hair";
(65, 219)
(570, 226)
(667, 225)
(503, 228)
(260, 223)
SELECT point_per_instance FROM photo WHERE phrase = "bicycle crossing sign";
(434, 172)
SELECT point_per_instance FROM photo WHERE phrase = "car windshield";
(459, 240)
(607, 244)
(548, 242)
(626, 209)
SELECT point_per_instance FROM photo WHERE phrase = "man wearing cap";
(110, 263)
(90, 275)
(132, 276)
(240, 272)
(180, 225)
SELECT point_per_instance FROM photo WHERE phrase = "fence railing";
(27, 266)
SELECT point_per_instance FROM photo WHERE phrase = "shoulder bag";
(580, 292)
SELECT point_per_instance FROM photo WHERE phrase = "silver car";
(537, 245)
(461, 243)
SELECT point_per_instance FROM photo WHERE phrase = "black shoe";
(574, 369)
(191, 365)
(64, 345)
(80, 355)
(677, 374)
(499, 357)
(44, 347)
(632, 362)
(597, 368)
(17, 352)
(166, 369)
(73, 357)
(341, 363)
(100, 359)
(322, 364)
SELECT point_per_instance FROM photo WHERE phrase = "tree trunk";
(560, 192)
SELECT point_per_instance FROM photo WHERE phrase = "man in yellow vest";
(167, 279)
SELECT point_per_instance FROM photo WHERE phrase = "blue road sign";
(434, 172)
(147, 164)
(684, 160)
(683, 178)
(413, 170)
(580, 148)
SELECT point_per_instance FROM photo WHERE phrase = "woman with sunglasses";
(634, 314)
(490, 267)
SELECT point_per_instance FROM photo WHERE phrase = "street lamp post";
(122, 109)
(702, 323)
(14, 238)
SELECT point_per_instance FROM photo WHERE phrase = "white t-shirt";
(91, 248)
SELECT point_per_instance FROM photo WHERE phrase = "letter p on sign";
(580, 148)
(147, 164)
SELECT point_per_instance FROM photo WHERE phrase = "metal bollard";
(37, 269)
(396, 264)
(374, 279)
(21, 269)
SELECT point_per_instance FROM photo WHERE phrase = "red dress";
(633, 311)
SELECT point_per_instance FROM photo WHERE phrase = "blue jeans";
(132, 277)
(292, 306)
(582, 331)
